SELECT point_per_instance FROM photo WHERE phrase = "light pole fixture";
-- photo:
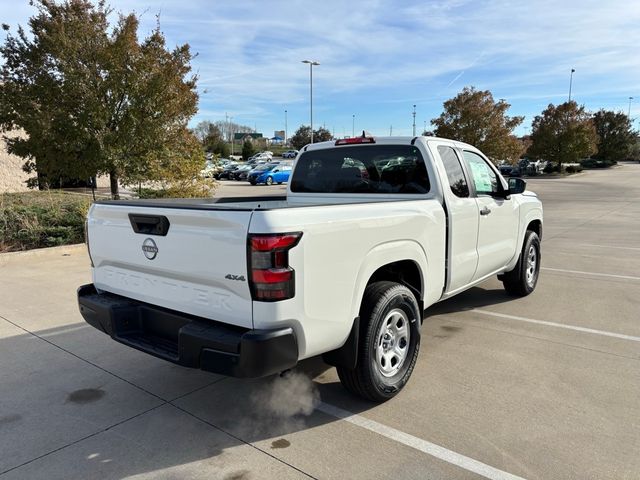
(414, 120)
(571, 82)
(353, 125)
(311, 64)
(629, 111)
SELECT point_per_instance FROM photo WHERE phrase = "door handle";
(485, 211)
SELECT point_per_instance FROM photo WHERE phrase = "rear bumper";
(188, 340)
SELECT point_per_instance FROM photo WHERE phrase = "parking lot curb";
(44, 251)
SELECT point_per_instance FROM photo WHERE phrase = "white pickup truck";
(371, 233)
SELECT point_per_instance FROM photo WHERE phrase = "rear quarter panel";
(341, 246)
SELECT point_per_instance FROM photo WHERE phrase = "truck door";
(462, 215)
(498, 217)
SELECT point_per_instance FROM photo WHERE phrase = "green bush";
(41, 219)
(573, 169)
(593, 163)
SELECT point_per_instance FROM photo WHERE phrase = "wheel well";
(405, 272)
(536, 226)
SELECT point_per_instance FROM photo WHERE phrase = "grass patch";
(41, 219)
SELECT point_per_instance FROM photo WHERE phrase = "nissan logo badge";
(150, 249)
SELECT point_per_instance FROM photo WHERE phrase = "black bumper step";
(188, 340)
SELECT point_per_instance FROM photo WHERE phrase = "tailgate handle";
(149, 224)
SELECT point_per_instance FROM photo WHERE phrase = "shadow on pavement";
(79, 412)
(476, 297)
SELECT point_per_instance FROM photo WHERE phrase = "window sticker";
(481, 176)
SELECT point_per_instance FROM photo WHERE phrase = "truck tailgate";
(198, 267)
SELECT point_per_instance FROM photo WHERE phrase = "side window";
(484, 178)
(457, 182)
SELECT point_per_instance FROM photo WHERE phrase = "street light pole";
(231, 132)
(571, 82)
(353, 125)
(311, 64)
(414, 120)
(285, 127)
(629, 111)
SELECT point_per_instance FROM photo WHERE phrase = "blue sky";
(379, 58)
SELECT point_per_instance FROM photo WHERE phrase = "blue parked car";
(270, 174)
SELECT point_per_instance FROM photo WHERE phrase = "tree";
(210, 136)
(563, 133)
(615, 136)
(474, 117)
(302, 136)
(177, 168)
(247, 149)
(321, 135)
(634, 153)
(91, 98)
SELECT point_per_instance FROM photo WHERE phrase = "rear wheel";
(269, 181)
(389, 342)
(522, 280)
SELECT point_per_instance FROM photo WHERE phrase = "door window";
(455, 175)
(484, 178)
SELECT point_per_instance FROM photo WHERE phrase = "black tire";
(522, 280)
(269, 181)
(382, 301)
(252, 182)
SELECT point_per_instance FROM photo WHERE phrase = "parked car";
(290, 154)
(242, 176)
(345, 267)
(226, 171)
(211, 169)
(510, 171)
(254, 174)
(235, 174)
(267, 156)
(278, 174)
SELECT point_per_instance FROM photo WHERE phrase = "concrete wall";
(12, 178)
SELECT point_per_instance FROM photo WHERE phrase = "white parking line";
(559, 325)
(626, 277)
(609, 246)
(424, 446)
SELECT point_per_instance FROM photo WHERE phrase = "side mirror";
(517, 185)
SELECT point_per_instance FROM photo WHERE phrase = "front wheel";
(388, 345)
(269, 181)
(522, 280)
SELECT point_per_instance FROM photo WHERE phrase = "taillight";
(271, 277)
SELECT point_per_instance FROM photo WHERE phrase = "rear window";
(362, 169)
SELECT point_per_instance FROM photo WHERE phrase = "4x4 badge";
(239, 278)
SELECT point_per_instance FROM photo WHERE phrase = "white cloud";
(378, 57)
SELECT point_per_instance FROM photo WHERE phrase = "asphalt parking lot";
(544, 387)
